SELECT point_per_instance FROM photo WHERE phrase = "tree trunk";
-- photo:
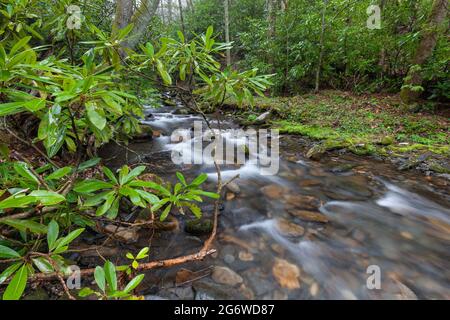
(411, 88)
(170, 10)
(227, 29)
(180, 7)
(141, 20)
(124, 12)
(271, 19)
(322, 47)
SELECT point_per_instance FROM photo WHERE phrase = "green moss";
(377, 122)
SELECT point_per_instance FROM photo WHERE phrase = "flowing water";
(313, 231)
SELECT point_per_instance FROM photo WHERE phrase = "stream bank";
(309, 232)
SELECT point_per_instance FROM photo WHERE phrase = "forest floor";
(376, 125)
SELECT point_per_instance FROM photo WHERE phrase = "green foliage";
(107, 195)
(134, 265)
(183, 195)
(106, 280)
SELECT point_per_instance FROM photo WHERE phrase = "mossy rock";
(169, 102)
(387, 141)
(318, 150)
(199, 227)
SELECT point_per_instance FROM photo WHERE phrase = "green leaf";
(110, 175)
(47, 198)
(199, 180)
(88, 164)
(24, 225)
(150, 198)
(69, 238)
(143, 253)
(110, 198)
(165, 213)
(17, 202)
(52, 234)
(19, 45)
(43, 265)
(111, 277)
(17, 285)
(134, 283)
(8, 253)
(11, 108)
(99, 275)
(58, 174)
(206, 194)
(133, 174)
(90, 186)
(150, 50)
(95, 118)
(22, 169)
(85, 292)
(9, 271)
(181, 178)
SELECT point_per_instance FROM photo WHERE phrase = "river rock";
(224, 275)
(290, 229)
(263, 118)
(233, 187)
(230, 196)
(273, 191)
(314, 289)
(305, 215)
(199, 227)
(348, 188)
(126, 235)
(207, 290)
(246, 256)
(301, 201)
(286, 274)
(258, 281)
(246, 292)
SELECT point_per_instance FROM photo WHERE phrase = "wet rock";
(317, 151)
(387, 140)
(207, 290)
(178, 293)
(305, 215)
(279, 295)
(199, 227)
(301, 201)
(126, 235)
(289, 229)
(309, 183)
(348, 188)
(152, 297)
(258, 281)
(263, 118)
(286, 274)
(233, 187)
(230, 196)
(246, 292)
(404, 292)
(145, 135)
(277, 248)
(273, 191)
(314, 289)
(224, 275)
(343, 168)
(246, 256)
(229, 259)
